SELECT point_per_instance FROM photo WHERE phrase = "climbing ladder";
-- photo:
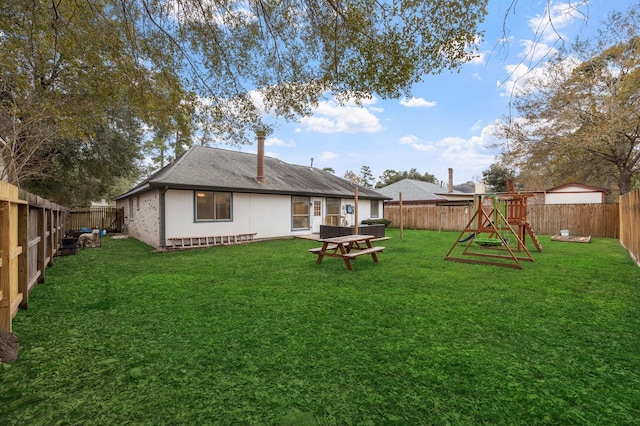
(532, 234)
(218, 240)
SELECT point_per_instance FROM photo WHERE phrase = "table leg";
(320, 255)
(347, 262)
(344, 250)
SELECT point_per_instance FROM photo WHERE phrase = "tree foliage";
(74, 97)
(580, 119)
(495, 177)
(352, 177)
(392, 176)
(192, 71)
(292, 53)
(366, 177)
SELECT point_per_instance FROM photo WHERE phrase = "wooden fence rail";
(630, 223)
(31, 229)
(597, 220)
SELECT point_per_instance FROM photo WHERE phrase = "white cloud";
(417, 103)
(477, 125)
(415, 143)
(534, 51)
(331, 117)
(327, 155)
(408, 139)
(523, 80)
(279, 142)
(548, 26)
(422, 147)
(547, 29)
(472, 154)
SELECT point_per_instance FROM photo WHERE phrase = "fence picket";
(629, 223)
(597, 220)
(108, 218)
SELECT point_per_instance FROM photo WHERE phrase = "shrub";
(385, 222)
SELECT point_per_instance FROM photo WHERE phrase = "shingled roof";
(416, 190)
(207, 168)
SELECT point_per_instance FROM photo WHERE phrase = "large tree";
(580, 118)
(284, 56)
(76, 87)
(203, 70)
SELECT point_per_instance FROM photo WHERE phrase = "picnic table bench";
(347, 248)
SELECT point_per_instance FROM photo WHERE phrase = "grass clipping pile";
(8, 347)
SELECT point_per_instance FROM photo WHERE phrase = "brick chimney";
(260, 168)
(450, 179)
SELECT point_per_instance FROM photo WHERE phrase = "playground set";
(496, 233)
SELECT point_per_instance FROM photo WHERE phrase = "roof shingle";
(208, 168)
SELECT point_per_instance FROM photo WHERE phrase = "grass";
(258, 334)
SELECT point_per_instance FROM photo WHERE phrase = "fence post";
(23, 259)
(5, 267)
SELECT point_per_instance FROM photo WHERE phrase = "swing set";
(496, 233)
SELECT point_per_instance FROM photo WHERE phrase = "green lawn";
(258, 334)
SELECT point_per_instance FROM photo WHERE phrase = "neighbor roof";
(207, 168)
(416, 190)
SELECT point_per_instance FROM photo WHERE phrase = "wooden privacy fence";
(31, 229)
(597, 220)
(110, 219)
(630, 223)
(439, 218)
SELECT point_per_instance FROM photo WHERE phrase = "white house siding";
(268, 216)
(573, 195)
(143, 224)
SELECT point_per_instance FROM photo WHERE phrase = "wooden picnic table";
(347, 248)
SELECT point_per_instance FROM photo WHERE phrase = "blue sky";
(448, 121)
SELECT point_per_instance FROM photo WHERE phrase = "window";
(317, 208)
(374, 208)
(213, 206)
(333, 212)
(300, 212)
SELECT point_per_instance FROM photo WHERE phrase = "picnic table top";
(347, 238)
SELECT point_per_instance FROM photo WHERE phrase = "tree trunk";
(624, 181)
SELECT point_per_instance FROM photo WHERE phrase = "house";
(209, 194)
(417, 192)
(574, 193)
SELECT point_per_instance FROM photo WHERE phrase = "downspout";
(163, 231)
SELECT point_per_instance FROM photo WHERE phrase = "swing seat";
(485, 241)
(467, 238)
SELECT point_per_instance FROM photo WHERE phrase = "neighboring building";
(423, 193)
(575, 193)
(209, 192)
